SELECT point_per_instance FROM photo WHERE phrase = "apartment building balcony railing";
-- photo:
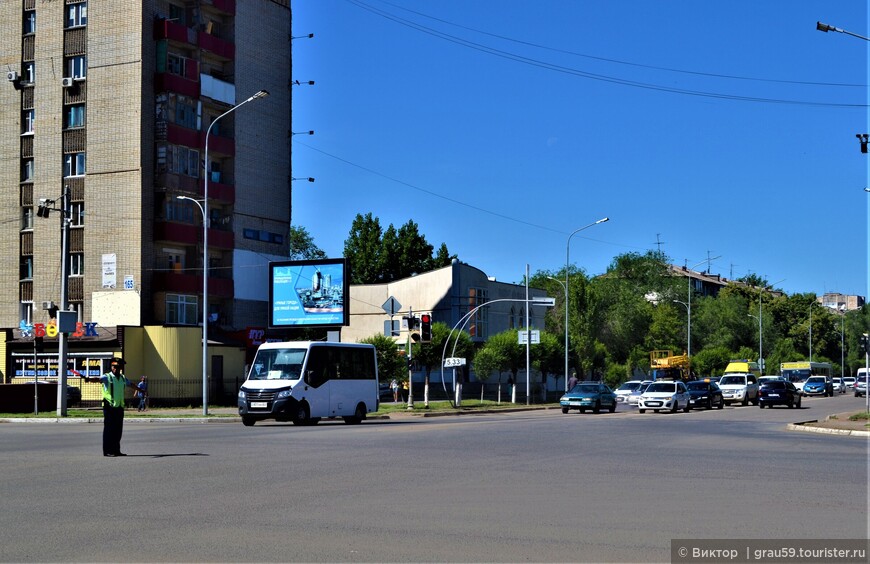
(218, 191)
(187, 234)
(75, 41)
(26, 194)
(184, 283)
(228, 7)
(76, 288)
(168, 82)
(214, 44)
(26, 243)
(173, 31)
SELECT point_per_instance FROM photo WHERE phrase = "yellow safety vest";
(113, 389)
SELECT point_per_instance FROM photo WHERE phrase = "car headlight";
(284, 394)
(563, 398)
(241, 394)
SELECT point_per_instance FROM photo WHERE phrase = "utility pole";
(64, 297)
(410, 371)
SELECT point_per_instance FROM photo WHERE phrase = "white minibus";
(304, 381)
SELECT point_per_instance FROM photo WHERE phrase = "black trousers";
(113, 426)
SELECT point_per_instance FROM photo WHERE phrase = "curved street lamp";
(567, 269)
(204, 210)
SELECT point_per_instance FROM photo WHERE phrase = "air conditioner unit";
(67, 82)
(11, 76)
(47, 305)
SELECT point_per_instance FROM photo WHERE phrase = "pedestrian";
(394, 385)
(142, 393)
(573, 380)
(114, 384)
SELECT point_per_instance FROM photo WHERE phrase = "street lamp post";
(689, 306)
(689, 332)
(204, 210)
(567, 270)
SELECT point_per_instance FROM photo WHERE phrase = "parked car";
(741, 388)
(818, 386)
(839, 386)
(764, 379)
(588, 395)
(634, 397)
(625, 390)
(850, 383)
(705, 394)
(778, 392)
(860, 386)
(665, 395)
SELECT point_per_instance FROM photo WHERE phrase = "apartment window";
(28, 117)
(29, 72)
(26, 218)
(480, 321)
(25, 312)
(181, 310)
(27, 170)
(74, 165)
(74, 116)
(76, 14)
(185, 115)
(175, 64)
(179, 210)
(185, 161)
(178, 14)
(77, 214)
(26, 270)
(76, 264)
(174, 260)
(29, 21)
(77, 67)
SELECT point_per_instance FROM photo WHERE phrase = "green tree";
(711, 361)
(391, 363)
(415, 253)
(362, 250)
(548, 356)
(301, 245)
(510, 353)
(486, 361)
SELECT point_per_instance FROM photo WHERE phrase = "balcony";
(214, 44)
(167, 29)
(218, 192)
(168, 82)
(185, 234)
(218, 144)
(178, 135)
(192, 284)
(228, 7)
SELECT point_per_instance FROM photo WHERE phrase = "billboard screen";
(308, 293)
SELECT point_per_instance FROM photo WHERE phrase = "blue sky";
(500, 126)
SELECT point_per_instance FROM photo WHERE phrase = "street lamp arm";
(826, 28)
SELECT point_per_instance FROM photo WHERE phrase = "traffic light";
(425, 328)
(43, 209)
(863, 343)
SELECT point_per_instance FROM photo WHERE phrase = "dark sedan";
(778, 392)
(705, 394)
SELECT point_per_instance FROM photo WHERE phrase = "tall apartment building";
(104, 108)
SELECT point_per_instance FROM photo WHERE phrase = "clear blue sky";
(501, 126)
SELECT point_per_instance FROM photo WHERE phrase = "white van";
(304, 381)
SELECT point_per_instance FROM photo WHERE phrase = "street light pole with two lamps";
(567, 271)
(204, 209)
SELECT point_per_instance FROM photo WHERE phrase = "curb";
(131, 420)
(801, 426)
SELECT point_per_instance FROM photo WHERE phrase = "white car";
(741, 388)
(625, 390)
(839, 386)
(665, 395)
(850, 383)
(861, 386)
(634, 397)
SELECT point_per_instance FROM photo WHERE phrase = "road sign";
(544, 301)
(524, 337)
(392, 328)
(453, 362)
(392, 306)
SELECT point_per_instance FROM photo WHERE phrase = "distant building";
(841, 302)
(448, 294)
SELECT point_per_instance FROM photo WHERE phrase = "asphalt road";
(534, 486)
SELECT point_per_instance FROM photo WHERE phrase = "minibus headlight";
(283, 394)
(241, 394)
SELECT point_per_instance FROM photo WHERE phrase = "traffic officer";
(114, 384)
